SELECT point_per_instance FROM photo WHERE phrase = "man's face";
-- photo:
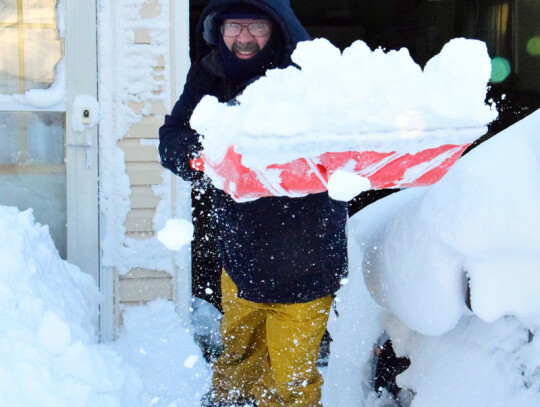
(246, 45)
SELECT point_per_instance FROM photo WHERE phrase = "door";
(48, 126)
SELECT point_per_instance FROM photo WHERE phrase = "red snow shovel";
(305, 176)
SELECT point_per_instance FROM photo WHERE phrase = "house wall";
(137, 194)
(140, 285)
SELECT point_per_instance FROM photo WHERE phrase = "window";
(32, 168)
(31, 46)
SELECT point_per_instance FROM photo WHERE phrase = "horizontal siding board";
(159, 108)
(148, 127)
(139, 220)
(160, 64)
(150, 9)
(145, 289)
(144, 273)
(135, 151)
(142, 37)
(155, 108)
(144, 173)
(142, 197)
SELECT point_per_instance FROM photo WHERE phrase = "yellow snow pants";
(270, 350)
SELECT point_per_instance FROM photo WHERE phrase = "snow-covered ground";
(411, 255)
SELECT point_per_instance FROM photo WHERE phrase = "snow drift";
(49, 350)
(49, 355)
(414, 252)
(479, 224)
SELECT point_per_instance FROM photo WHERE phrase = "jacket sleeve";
(178, 142)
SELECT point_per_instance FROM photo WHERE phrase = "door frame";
(82, 146)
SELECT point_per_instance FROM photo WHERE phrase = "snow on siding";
(134, 92)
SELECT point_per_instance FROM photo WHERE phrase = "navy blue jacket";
(275, 249)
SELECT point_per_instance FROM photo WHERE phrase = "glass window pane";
(42, 51)
(32, 169)
(32, 138)
(39, 11)
(9, 61)
(45, 143)
(10, 128)
(8, 11)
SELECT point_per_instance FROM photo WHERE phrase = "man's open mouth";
(245, 51)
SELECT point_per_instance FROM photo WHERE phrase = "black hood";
(279, 10)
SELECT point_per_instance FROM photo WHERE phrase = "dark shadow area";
(388, 367)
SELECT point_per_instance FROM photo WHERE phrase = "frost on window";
(32, 168)
(30, 45)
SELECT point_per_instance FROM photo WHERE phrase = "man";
(283, 258)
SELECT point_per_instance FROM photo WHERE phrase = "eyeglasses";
(255, 29)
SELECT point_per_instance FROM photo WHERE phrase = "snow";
(344, 186)
(476, 364)
(128, 89)
(359, 100)
(490, 228)
(49, 350)
(176, 234)
(54, 97)
(164, 354)
(413, 252)
(49, 353)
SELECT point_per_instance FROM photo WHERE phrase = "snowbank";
(414, 251)
(480, 223)
(360, 100)
(477, 364)
(49, 355)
